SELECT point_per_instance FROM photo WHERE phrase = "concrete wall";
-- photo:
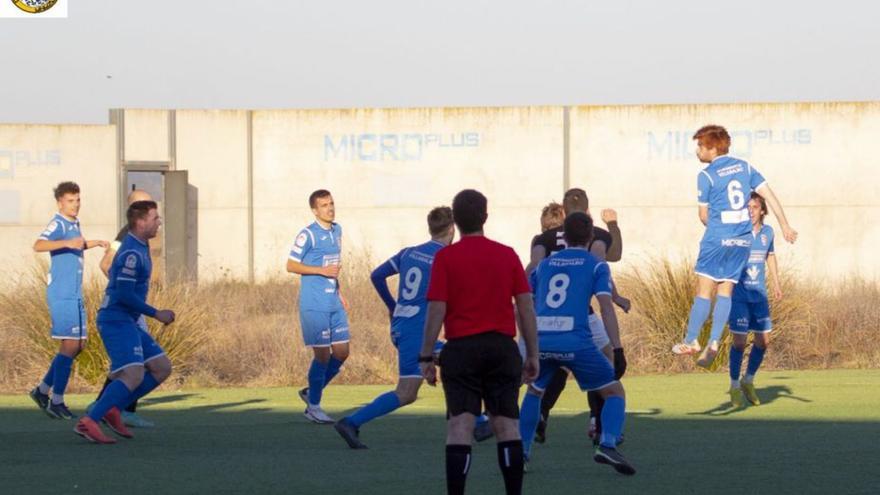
(817, 158)
(388, 168)
(33, 160)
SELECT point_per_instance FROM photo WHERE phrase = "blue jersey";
(414, 266)
(752, 286)
(126, 296)
(66, 265)
(317, 246)
(563, 285)
(725, 186)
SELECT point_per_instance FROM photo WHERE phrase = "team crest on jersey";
(131, 261)
(763, 238)
(753, 272)
(301, 239)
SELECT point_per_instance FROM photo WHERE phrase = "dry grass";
(230, 333)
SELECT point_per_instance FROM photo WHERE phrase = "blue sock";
(49, 378)
(736, 362)
(380, 406)
(529, 414)
(148, 385)
(316, 381)
(699, 314)
(613, 414)
(482, 418)
(62, 367)
(333, 367)
(116, 394)
(755, 359)
(719, 317)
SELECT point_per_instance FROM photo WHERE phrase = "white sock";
(749, 378)
(44, 389)
(57, 399)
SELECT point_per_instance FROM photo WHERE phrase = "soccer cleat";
(113, 420)
(88, 429)
(39, 398)
(541, 430)
(751, 394)
(136, 421)
(349, 433)
(59, 411)
(317, 415)
(610, 456)
(304, 395)
(483, 431)
(686, 349)
(708, 355)
(736, 397)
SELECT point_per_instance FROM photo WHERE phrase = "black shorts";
(483, 368)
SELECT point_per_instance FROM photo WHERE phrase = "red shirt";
(477, 278)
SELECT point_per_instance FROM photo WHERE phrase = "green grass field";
(817, 432)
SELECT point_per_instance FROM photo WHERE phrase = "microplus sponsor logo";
(383, 147)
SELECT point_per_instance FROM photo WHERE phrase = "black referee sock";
(510, 460)
(553, 391)
(458, 462)
(594, 398)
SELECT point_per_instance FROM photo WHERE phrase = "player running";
(63, 240)
(563, 285)
(316, 255)
(751, 309)
(723, 187)
(129, 347)
(407, 321)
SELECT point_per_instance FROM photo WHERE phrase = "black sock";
(510, 460)
(132, 407)
(596, 403)
(107, 381)
(458, 462)
(553, 391)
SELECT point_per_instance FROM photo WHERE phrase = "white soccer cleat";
(686, 349)
(317, 415)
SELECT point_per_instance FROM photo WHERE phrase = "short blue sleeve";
(704, 184)
(602, 279)
(301, 245)
(53, 232)
(756, 180)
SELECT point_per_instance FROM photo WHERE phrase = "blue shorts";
(409, 345)
(723, 260)
(322, 328)
(590, 368)
(748, 317)
(127, 344)
(68, 319)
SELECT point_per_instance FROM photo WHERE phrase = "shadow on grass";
(166, 399)
(767, 395)
(247, 447)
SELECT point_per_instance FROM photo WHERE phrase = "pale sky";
(415, 53)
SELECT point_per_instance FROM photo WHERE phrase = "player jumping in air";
(723, 189)
(751, 308)
(64, 241)
(316, 255)
(407, 321)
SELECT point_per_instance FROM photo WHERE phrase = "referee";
(473, 286)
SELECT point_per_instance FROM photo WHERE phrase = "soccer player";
(473, 285)
(129, 347)
(129, 415)
(63, 240)
(606, 245)
(407, 321)
(316, 255)
(723, 189)
(563, 285)
(751, 309)
(552, 216)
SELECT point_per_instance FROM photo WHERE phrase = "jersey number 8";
(557, 293)
(411, 282)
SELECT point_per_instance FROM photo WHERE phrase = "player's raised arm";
(788, 233)
(615, 251)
